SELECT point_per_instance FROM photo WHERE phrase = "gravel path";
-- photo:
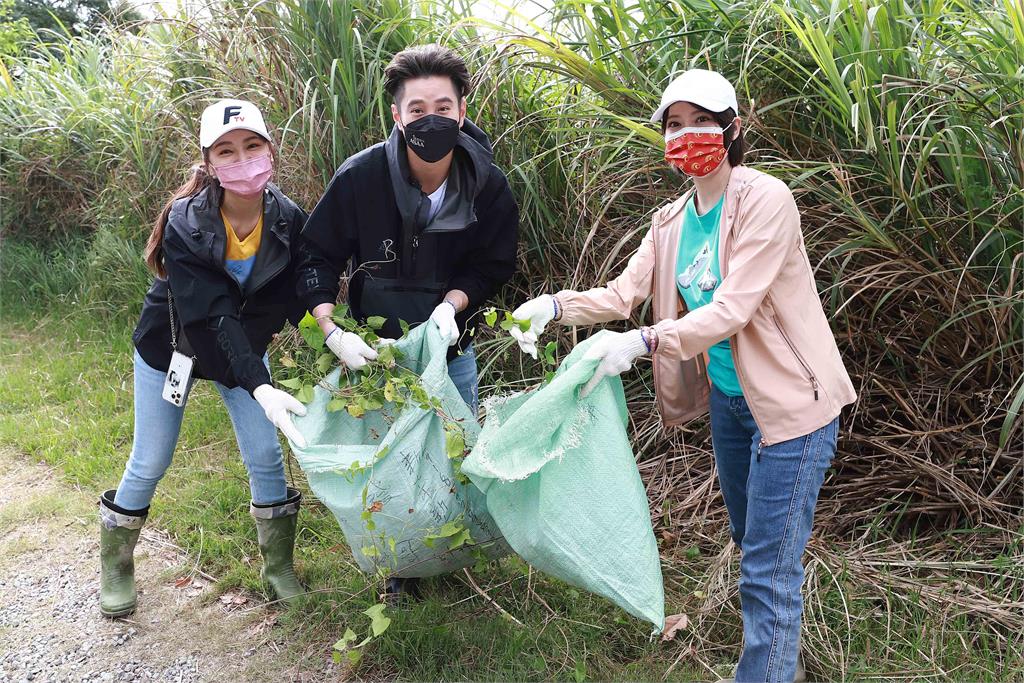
(50, 625)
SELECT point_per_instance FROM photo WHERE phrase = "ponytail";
(154, 251)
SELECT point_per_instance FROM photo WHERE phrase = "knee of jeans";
(148, 474)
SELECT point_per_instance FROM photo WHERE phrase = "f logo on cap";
(230, 111)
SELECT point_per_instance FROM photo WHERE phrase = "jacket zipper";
(722, 260)
(799, 358)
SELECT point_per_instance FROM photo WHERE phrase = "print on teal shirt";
(698, 276)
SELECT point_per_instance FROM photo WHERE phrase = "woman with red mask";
(739, 332)
(223, 251)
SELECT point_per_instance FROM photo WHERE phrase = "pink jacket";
(767, 306)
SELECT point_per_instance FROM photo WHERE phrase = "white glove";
(277, 405)
(444, 317)
(350, 349)
(539, 312)
(617, 351)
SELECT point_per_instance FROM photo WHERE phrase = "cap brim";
(262, 133)
(704, 103)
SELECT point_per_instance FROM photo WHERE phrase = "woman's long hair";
(154, 252)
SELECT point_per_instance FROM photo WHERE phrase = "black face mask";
(431, 137)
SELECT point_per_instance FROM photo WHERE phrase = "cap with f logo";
(228, 115)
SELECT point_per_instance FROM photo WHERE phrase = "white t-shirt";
(436, 199)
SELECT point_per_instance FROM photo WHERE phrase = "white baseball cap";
(227, 115)
(707, 89)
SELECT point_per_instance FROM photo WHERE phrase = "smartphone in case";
(179, 372)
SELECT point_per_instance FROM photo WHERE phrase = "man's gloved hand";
(278, 405)
(616, 351)
(539, 312)
(444, 317)
(350, 349)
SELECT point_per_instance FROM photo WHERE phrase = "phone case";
(176, 385)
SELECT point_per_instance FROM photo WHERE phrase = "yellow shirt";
(241, 254)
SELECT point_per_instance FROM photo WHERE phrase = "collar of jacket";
(204, 231)
(739, 181)
(472, 176)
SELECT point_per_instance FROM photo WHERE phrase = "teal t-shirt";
(697, 277)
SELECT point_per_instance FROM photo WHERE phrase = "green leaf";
(311, 332)
(507, 325)
(324, 361)
(293, 383)
(335, 404)
(305, 394)
(354, 656)
(386, 356)
(455, 443)
(580, 673)
(370, 551)
(460, 539)
(524, 325)
(490, 317)
(405, 327)
(375, 322)
(355, 410)
(378, 622)
(549, 352)
(346, 640)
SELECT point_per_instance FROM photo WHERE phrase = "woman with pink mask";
(739, 332)
(223, 251)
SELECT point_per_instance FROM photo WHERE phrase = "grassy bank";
(876, 606)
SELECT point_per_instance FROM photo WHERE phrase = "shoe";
(396, 590)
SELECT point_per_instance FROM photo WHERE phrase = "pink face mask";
(247, 178)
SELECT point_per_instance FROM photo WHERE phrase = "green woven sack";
(387, 477)
(562, 484)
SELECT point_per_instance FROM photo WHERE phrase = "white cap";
(228, 115)
(707, 89)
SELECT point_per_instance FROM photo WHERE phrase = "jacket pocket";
(398, 299)
(796, 355)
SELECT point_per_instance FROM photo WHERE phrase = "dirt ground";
(51, 628)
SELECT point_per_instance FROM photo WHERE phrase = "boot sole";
(114, 614)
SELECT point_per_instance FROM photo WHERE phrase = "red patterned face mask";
(696, 151)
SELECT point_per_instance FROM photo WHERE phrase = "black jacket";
(374, 213)
(226, 328)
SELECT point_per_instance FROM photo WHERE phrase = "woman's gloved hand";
(616, 351)
(539, 312)
(278, 406)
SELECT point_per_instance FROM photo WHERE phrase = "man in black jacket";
(427, 220)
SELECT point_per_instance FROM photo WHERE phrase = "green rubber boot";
(275, 528)
(119, 532)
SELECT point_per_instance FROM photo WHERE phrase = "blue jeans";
(158, 422)
(462, 370)
(771, 497)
